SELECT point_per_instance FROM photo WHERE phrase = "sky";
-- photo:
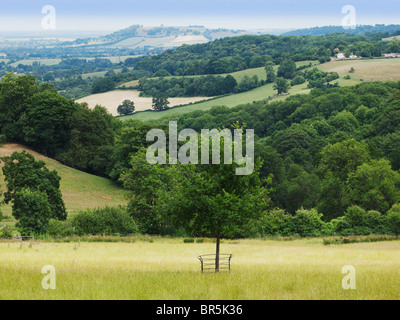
(26, 15)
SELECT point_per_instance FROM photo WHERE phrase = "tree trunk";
(217, 253)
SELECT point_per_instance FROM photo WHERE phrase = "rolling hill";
(80, 190)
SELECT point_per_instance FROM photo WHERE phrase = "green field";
(168, 269)
(80, 190)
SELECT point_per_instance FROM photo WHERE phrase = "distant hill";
(386, 30)
(138, 37)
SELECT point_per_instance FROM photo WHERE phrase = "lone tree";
(160, 102)
(281, 85)
(126, 108)
(34, 191)
(211, 200)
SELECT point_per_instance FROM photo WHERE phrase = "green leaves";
(30, 183)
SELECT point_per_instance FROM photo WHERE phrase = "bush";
(297, 80)
(6, 232)
(307, 223)
(272, 223)
(188, 240)
(393, 219)
(60, 228)
(109, 220)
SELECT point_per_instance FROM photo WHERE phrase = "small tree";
(30, 183)
(126, 108)
(160, 102)
(32, 210)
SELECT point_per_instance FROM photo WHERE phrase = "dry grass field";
(366, 69)
(112, 99)
(168, 269)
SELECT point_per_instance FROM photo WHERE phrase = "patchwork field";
(112, 99)
(233, 100)
(80, 190)
(168, 269)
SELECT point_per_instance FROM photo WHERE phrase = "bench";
(208, 262)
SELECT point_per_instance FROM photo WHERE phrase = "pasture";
(168, 269)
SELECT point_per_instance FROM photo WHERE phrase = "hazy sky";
(236, 14)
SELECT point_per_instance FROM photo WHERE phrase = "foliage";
(108, 220)
(126, 108)
(103, 85)
(281, 85)
(6, 232)
(190, 87)
(32, 210)
(160, 102)
(29, 181)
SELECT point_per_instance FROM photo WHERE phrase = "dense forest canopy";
(238, 53)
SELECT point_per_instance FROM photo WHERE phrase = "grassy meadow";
(168, 269)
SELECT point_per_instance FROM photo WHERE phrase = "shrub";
(60, 228)
(393, 219)
(297, 80)
(109, 220)
(188, 240)
(272, 223)
(307, 223)
(6, 232)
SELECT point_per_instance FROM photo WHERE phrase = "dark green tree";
(160, 102)
(281, 85)
(126, 108)
(287, 69)
(28, 179)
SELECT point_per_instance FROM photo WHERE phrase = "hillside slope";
(80, 190)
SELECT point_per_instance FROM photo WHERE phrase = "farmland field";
(112, 99)
(233, 100)
(168, 269)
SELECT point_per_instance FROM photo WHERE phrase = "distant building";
(353, 56)
(391, 55)
(342, 56)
